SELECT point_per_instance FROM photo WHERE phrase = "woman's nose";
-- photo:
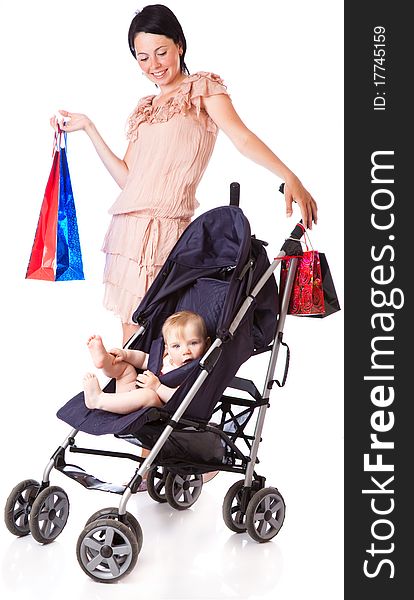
(154, 62)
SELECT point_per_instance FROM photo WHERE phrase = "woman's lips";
(159, 74)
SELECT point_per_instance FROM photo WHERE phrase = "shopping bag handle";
(57, 139)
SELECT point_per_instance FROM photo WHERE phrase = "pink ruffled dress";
(171, 147)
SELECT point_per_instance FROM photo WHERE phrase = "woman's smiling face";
(159, 58)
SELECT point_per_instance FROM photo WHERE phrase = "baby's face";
(185, 344)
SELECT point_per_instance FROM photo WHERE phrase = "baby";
(185, 339)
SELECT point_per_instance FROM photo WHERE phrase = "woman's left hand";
(147, 379)
(295, 192)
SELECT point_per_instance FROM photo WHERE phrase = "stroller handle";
(298, 231)
(234, 193)
(291, 245)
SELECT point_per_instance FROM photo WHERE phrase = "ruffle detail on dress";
(121, 302)
(123, 299)
(201, 85)
(139, 115)
(192, 89)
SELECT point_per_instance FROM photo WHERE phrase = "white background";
(283, 65)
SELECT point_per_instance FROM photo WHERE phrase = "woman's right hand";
(70, 121)
(295, 192)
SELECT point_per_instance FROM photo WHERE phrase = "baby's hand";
(119, 355)
(147, 379)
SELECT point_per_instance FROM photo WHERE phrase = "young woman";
(171, 138)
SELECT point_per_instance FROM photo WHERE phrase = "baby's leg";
(103, 360)
(127, 381)
(122, 402)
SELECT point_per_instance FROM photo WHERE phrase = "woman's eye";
(162, 53)
(143, 59)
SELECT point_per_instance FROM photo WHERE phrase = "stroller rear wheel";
(182, 491)
(107, 550)
(18, 507)
(49, 514)
(233, 516)
(156, 483)
(265, 514)
(130, 521)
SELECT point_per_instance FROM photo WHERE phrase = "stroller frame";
(246, 503)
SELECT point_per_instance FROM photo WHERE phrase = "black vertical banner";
(379, 160)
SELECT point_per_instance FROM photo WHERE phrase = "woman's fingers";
(309, 212)
(66, 122)
(307, 205)
(60, 120)
(54, 122)
(306, 215)
(288, 201)
(314, 209)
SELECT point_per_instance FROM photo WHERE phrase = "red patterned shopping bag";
(307, 297)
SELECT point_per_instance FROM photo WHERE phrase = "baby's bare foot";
(97, 350)
(91, 390)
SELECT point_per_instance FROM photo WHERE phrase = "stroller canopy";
(212, 246)
(205, 272)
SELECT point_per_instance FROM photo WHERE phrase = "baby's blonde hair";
(180, 319)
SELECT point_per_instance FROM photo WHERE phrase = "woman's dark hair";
(158, 19)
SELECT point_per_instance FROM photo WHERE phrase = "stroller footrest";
(90, 481)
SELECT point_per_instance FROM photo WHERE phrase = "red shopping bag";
(307, 297)
(41, 263)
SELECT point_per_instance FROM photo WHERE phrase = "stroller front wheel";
(107, 550)
(233, 515)
(156, 483)
(130, 521)
(182, 491)
(265, 514)
(49, 514)
(18, 507)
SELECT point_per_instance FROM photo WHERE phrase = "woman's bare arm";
(117, 167)
(221, 110)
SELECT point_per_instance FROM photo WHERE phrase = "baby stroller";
(219, 270)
